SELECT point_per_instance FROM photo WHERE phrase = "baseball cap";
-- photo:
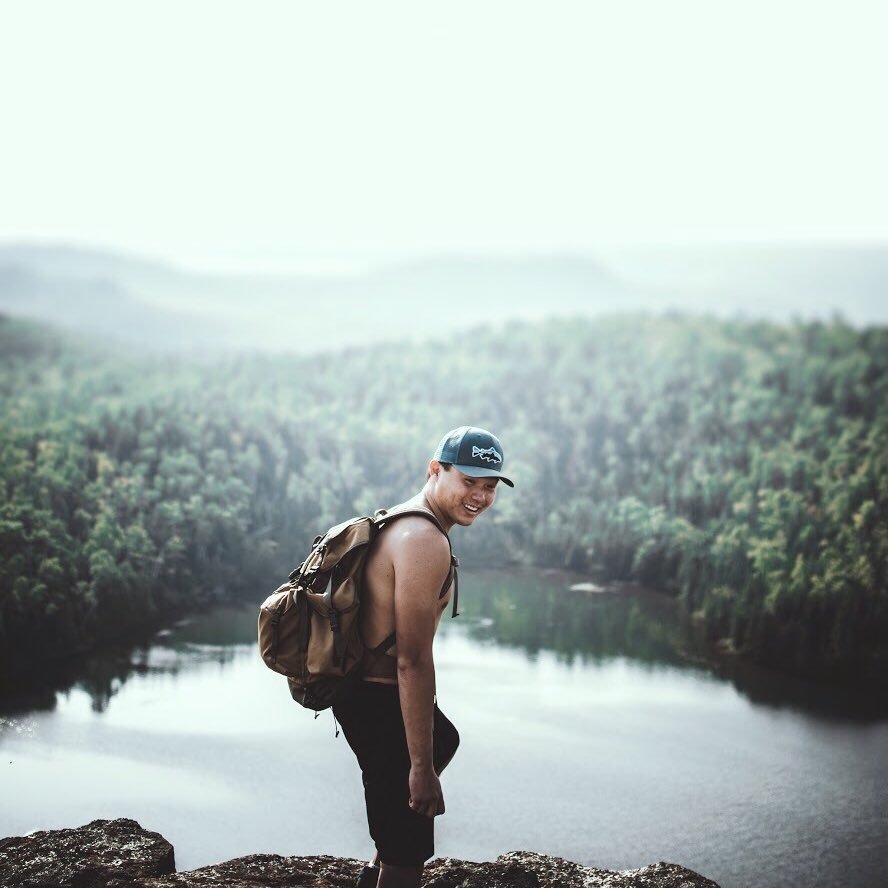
(475, 452)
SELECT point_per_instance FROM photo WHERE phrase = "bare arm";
(421, 558)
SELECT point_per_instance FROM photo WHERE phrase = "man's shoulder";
(414, 530)
(414, 537)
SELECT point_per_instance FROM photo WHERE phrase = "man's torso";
(378, 604)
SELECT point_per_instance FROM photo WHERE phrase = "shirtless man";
(392, 722)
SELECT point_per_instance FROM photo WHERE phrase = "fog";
(150, 302)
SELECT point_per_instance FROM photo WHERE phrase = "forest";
(741, 466)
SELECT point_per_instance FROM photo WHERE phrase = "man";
(392, 722)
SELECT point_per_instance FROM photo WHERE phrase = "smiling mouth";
(473, 509)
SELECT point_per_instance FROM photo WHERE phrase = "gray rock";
(264, 871)
(120, 854)
(524, 869)
(90, 856)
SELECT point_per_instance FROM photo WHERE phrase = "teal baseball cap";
(475, 452)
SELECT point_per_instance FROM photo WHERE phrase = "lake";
(592, 728)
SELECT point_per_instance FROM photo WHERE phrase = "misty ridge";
(158, 305)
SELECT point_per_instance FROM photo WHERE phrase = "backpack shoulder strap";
(384, 516)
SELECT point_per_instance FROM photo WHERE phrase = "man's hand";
(426, 796)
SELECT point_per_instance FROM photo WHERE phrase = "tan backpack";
(309, 628)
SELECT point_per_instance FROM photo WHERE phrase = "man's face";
(462, 497)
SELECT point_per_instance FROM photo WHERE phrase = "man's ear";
(434, 468)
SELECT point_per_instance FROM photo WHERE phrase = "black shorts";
(372, 723)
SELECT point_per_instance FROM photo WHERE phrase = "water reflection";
(212, 636)
(540, 611)
(531, 611)
(551, 610)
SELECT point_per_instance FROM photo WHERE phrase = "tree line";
(742, 466)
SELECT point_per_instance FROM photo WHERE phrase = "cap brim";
(478, 472)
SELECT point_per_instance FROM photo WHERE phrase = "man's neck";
(423, 499)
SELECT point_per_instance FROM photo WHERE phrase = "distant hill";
(159, 305)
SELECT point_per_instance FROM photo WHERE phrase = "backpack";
(309, 628)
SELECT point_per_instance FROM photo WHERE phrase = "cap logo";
(488, 455)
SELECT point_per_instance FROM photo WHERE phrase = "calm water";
(589, 731)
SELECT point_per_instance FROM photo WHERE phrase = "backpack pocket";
(282, 630)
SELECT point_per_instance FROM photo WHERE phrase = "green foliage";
(743, 466)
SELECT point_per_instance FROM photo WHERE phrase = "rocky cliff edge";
(120, 854)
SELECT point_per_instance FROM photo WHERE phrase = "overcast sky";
(213, 132)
